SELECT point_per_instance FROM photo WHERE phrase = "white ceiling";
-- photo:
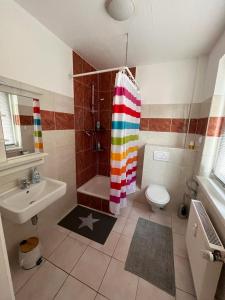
(160, 30)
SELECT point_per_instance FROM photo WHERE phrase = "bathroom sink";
(19, 205)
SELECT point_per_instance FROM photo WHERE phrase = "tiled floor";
(78, 268)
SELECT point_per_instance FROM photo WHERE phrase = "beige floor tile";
(50, 239)
(110, 244)
(80, 238)
(143, 204)
(162, 219)
(124, 212)
(183, 275)
(122, 248)
(179, 225)
(171, 209)
(63, 229)
(118, 284)
(140, 211)
(180, 295)
(45, 283)
(74, 289)
(91, 267)
(67, 254)
(179, 245)
(130, 201)
(142, 200)
(130, 227)
(100, 297)
(147, 291)
(119, 225)
(21, 276)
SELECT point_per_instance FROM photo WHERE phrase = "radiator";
(205, 252)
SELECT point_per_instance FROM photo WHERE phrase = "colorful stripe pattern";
(38, 143)
(124, 142)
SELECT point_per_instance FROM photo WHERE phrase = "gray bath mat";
(151, 255)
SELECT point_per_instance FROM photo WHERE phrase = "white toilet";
(157, 196)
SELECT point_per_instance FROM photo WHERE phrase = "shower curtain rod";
(110, 70)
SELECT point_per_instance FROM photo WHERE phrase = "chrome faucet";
(24, 183)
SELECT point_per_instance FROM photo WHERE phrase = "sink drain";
(34, 220)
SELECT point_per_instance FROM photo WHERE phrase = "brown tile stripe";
(61, 121)
(64, 120)
(164, 124)
(216, 125)
(51, 120)
(179, 125)
(202, 126)
(23, 120)
(48, 120)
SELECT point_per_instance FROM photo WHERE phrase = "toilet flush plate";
(161, 155)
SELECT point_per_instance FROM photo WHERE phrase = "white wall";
(171, 82)
(211, 74)
(202, 64)
(220, 79)
(6, 287)
(32, 54)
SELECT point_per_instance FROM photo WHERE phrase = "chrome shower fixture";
(93, 110)
(88, 132)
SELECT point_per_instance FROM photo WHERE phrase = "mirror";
(20, 118)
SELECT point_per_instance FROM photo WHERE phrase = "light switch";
(161, 155)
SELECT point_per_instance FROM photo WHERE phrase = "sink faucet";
(24, 184)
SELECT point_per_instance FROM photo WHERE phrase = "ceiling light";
(120, 10)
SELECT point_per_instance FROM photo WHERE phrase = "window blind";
(219, 168)
(6, 118)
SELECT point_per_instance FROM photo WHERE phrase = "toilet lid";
(158, 194)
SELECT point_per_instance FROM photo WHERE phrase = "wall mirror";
(21, 125)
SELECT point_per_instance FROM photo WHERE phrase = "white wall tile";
(170, 139)
(176, 111)
(59, 164)
(47, 101)
(195, 110)
(205, 108)
(172, 174)
(63, 103)
(218, 106)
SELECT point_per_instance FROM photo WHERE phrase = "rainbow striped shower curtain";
(124, 145)
(38, 143)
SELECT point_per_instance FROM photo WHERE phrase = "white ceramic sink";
(19, 205)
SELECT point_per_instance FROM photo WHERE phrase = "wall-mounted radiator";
(205, 252)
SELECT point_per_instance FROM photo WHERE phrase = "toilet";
(157, 196)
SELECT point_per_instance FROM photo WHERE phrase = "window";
(219, 168)
(11, 131)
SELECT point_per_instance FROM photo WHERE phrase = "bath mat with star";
(87, 222)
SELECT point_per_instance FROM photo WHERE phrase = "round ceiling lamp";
(120, 10)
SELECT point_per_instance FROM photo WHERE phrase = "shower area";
(93, 96)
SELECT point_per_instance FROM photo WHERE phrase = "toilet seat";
(157, 194)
